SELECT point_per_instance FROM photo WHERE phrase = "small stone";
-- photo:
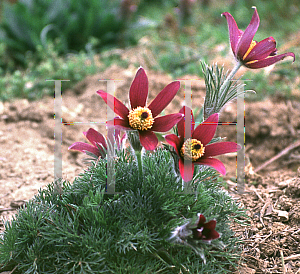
(285, 183)
(264, 230)
(34, 125)
(17, 204)
(42, 176)
(259, 226)
(1, 108)
(283, 240)
(284, 215)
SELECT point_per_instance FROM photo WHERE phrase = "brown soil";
(271, 197)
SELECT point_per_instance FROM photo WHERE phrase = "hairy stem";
(230, 76)
(140, 165)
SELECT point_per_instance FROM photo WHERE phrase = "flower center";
(192, 150)
(252, 45)
(140, 118)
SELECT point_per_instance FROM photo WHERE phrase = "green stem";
(134, 139)
(140, 165)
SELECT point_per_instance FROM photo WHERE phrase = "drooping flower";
(196, 150)
(196, 231)
(205, 231)
(142, 118)
(191, 234)
(98, 142)
(250, 53)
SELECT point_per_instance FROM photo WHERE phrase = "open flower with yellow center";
(141, 118)
(192, 150)
(250, 53)
(196, 150)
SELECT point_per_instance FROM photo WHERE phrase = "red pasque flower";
(205, 231)
(142, 118)
(250, 53)
(196, 150)
(98, 145)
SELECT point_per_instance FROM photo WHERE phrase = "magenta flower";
(196, 150)
(142, 118)
(98, 145)
(205, 231)
(250, 53)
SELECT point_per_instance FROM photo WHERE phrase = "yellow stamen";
(192, 150)
(252, 45)
(141, 118)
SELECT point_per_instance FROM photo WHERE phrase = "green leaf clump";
(85, 230)
(32, 84)
(28, 24)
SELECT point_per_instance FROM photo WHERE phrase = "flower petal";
(186, 169)
(220, 148)
(248, 35)
(165, 123)
(164, 98)
(148, 139)
(119, 123)
(262, 50)
(215, 163)
(174, 141)
(201, 221)
(197, 234)
(83, 147)
(117, 106)
(182, 125)
(138, 92)
(234, 32)
(210, 234)
(206, 130)
(95, 137)
(268, 61)
(210, 225)
(213, 235)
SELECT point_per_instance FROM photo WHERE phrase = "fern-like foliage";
(219, 91)
(85, 230)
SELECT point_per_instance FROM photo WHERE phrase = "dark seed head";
(144, 115)
(197, 146)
